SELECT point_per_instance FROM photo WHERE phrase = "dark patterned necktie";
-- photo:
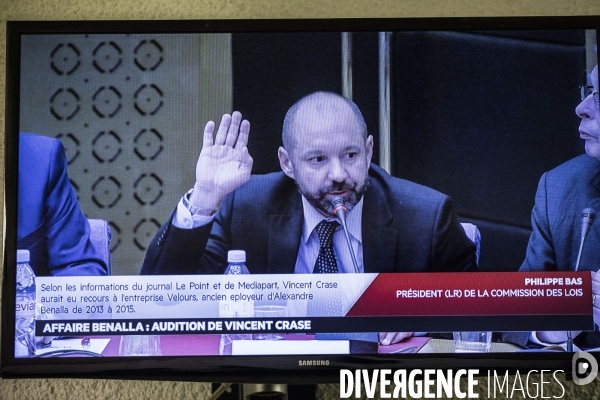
(326, 302)
(326, 263)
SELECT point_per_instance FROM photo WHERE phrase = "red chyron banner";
(480, 293)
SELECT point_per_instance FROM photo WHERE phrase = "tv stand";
(269, 391)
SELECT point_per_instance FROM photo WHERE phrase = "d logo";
(584, 367)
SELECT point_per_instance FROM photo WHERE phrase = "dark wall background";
(480, 117)
(272, 72)
(476, 115)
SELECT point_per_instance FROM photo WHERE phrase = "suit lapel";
(285, 231)
(594, 201)
(379, 239)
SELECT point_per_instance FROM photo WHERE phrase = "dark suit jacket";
(51, 224)
(556, 221)
(556, 218)
(405, 227)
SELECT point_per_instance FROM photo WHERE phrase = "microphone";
(339, 210)
(588, 215)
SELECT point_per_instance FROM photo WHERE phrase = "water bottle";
(25, 307)
(236, 260)
(236, 263)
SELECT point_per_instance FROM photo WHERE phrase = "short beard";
(320, 203)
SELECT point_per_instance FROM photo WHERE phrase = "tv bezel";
(284, 368)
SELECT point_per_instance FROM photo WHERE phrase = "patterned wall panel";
(129, 110)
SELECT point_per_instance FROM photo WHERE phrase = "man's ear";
(285, 162)
(369, 150)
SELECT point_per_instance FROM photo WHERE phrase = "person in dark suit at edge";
(50, 222)
(556, 217)
(395, 225)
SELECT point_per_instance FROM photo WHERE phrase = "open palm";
(224, 163)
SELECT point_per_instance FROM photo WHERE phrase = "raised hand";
(224, 163)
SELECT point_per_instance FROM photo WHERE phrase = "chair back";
(473, 233)
(100, 235)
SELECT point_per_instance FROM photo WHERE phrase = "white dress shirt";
(309, 243)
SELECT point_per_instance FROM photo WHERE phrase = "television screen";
(278, 200)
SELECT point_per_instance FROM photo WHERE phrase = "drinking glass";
(273, 312)
(140, 345)
(472, 342)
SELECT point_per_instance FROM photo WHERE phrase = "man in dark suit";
(50, 223)
(556, 217)
(326, 153)
(285, 221)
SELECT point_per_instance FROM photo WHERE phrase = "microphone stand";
(350, 247)
(579, 254)
(339, 210)
(569, 342)
(587, 220)
(588, 215)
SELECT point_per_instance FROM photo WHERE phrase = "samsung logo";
(312, 362)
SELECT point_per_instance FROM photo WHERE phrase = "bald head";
(317, 110)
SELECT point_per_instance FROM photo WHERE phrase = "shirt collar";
(312, 218)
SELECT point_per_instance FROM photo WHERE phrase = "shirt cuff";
(184, 219)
